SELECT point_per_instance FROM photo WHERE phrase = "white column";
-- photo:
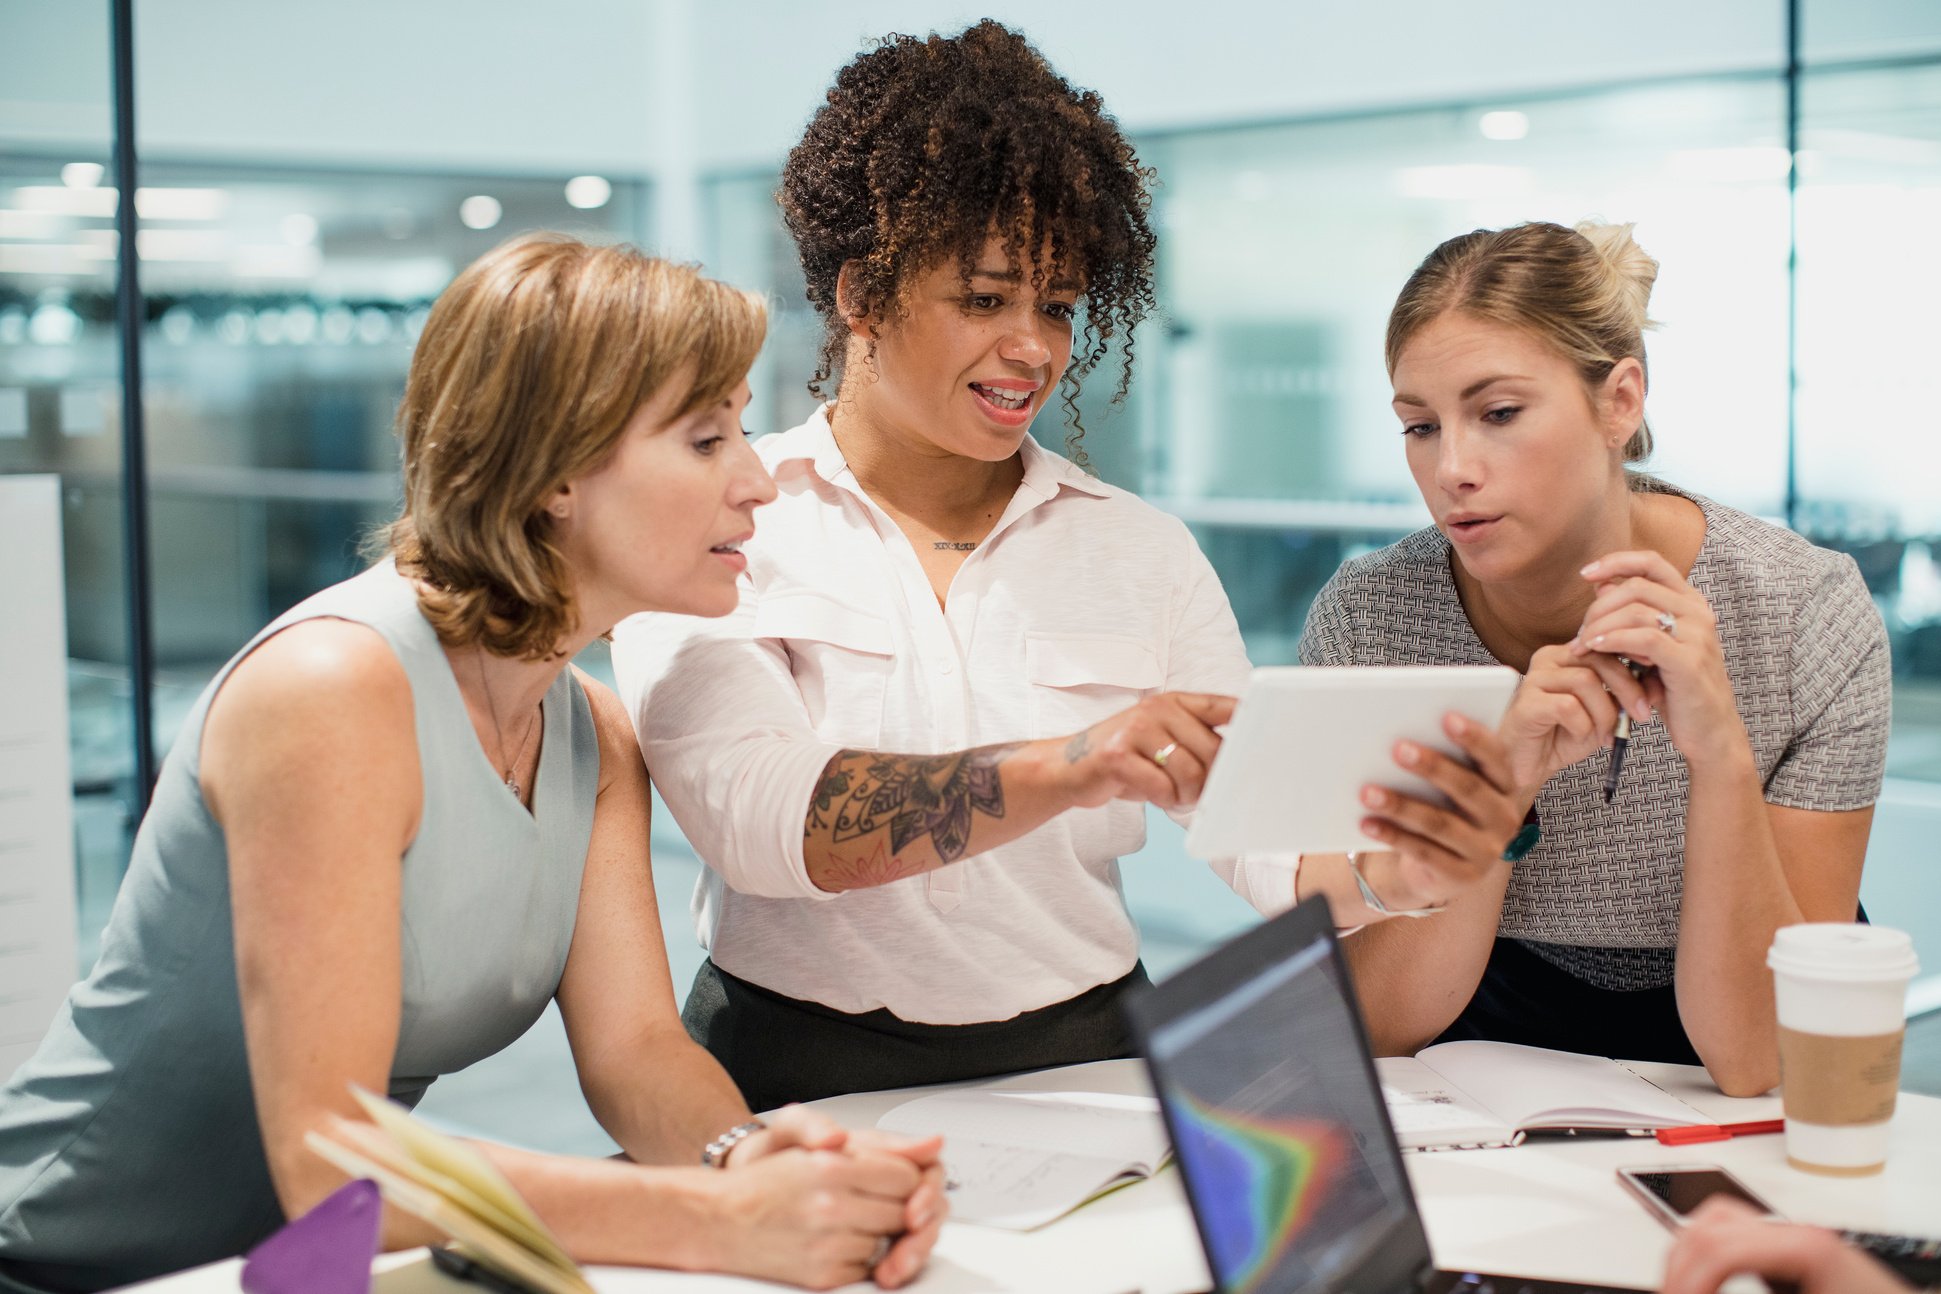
(37, 937)
(678, 232)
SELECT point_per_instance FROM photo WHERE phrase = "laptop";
(1261, 1064)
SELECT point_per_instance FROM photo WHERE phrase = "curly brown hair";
(924, 147)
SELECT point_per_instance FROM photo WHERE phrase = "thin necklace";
(498, 734)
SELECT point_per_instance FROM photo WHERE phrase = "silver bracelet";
(715, 1153)
(1373, 901)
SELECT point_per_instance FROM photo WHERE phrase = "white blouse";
(1080, 601)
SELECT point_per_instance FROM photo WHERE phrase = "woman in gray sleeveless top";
(1752, 664)
(396, 825)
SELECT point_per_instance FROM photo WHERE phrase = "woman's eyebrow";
(1474, 387)
(1403, 397)
(1013, 276)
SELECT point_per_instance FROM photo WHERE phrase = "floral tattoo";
(912, 797)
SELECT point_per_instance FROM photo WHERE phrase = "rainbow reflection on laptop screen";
(1279, 1130)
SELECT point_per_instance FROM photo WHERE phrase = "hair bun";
(1635, 269)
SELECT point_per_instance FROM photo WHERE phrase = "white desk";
(1551, 1209)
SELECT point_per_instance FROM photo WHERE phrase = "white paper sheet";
(1429, 1112)
(1531, 1087)
(1017, 1160)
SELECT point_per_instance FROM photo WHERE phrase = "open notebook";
(1463, 1094)
(1017, 1159)
(454, 1188)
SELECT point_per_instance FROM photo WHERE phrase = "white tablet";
(1304, 741)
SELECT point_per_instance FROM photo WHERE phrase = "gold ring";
(1164, 753)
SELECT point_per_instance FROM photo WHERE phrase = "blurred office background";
(312, 177)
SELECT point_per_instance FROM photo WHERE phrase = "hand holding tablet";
(1305, 741)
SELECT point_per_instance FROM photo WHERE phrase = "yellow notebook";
(454, 1188)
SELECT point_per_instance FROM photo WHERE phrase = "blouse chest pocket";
(1076, 681)
(1079, 679)
(841, 660)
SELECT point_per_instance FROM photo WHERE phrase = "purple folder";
(326, 1251)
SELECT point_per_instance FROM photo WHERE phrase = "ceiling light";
(151, 204)
(339, 325)
(53, 324)
(82, 175)
(65, 201)
(182, 244)
(373, 325)
(1507, 124)
(588, 191)
(178, 324)
(480, 211)
(30, 224)
(300, 323)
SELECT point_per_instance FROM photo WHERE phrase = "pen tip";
(1609, 791)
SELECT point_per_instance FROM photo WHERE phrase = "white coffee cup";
(1841, 991)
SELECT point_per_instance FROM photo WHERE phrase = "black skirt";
(1523, 998)
(780, 1049)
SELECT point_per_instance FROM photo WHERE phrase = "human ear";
(849, 300)
(1622, 398)
(560, 506)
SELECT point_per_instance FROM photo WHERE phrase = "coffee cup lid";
(1843, 950)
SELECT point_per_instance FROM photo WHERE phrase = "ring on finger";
(1164, 753)
(1669, 623)
(882, 1251)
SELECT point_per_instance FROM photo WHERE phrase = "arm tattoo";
(913, 796)
(1079, 746)
(863, 871)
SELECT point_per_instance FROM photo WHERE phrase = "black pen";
(1620, 739)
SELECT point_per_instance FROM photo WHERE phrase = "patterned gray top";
(1807, 657)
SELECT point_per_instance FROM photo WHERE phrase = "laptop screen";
(1277, 1119)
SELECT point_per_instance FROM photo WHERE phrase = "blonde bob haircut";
(1582, 291)
(529, 367)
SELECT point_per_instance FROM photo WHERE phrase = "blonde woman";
(397, 824)
(1753, 665)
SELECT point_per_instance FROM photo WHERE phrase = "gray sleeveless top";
(128, 1143)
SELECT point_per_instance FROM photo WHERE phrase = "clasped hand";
(1645, 618)
(818, 1199)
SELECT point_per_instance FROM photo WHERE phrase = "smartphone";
(1673, 1192)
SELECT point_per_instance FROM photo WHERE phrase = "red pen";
(1701, 1132)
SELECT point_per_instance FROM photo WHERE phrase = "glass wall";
(281, 307)
(1869, 270)
(282, 302)
(60, 401)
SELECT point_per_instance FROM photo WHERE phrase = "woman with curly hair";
(1048, 652)
(398, 824)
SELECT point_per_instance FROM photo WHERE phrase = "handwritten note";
(1018, 1160)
